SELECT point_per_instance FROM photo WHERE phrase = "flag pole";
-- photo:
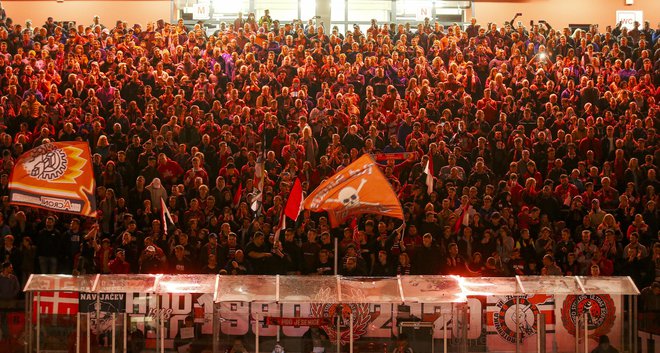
(336, 255)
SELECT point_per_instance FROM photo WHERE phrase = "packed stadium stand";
(541, 144)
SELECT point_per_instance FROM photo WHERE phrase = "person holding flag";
(292, 208)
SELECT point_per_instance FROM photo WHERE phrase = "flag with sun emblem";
(55, 176)
(358, 188)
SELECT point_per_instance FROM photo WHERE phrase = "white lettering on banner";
(295, 310)
(104, 296)
(604, 318)
(237, 318)
(59, 204)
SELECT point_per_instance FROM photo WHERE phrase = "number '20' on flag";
(55, 176)
(359, 188)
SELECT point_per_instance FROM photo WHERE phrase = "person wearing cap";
(211, 248)
(119, 265)
(596, 214)
(150, 171)
(152, 259)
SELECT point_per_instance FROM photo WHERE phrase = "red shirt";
(118, 267)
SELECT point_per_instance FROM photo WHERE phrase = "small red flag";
(294, 203)
(237, 196)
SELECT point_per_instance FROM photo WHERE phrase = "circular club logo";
(47, 163)
(600, 311)
(509, 315)
(361, 318)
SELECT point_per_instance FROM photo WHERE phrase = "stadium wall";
(561, 13)
(82, 11)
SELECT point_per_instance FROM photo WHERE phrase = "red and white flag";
(295, 200)
(259, 177)
(166, 215)
(292, 207)
(429, 175)
(281, 225)
(56, 303)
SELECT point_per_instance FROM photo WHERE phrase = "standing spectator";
(49, 247)
(9, 286)
(157, 193)
(119, 265)
(28, 259)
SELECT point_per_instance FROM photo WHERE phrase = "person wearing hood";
(158, 192)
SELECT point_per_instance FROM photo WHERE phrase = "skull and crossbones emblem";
(350, 197)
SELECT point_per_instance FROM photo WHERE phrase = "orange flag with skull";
(357, 189)
(55, 176)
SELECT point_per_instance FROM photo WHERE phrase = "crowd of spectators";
(543, 145)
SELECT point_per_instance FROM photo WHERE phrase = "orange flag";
(359, 188)
(56, 176)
